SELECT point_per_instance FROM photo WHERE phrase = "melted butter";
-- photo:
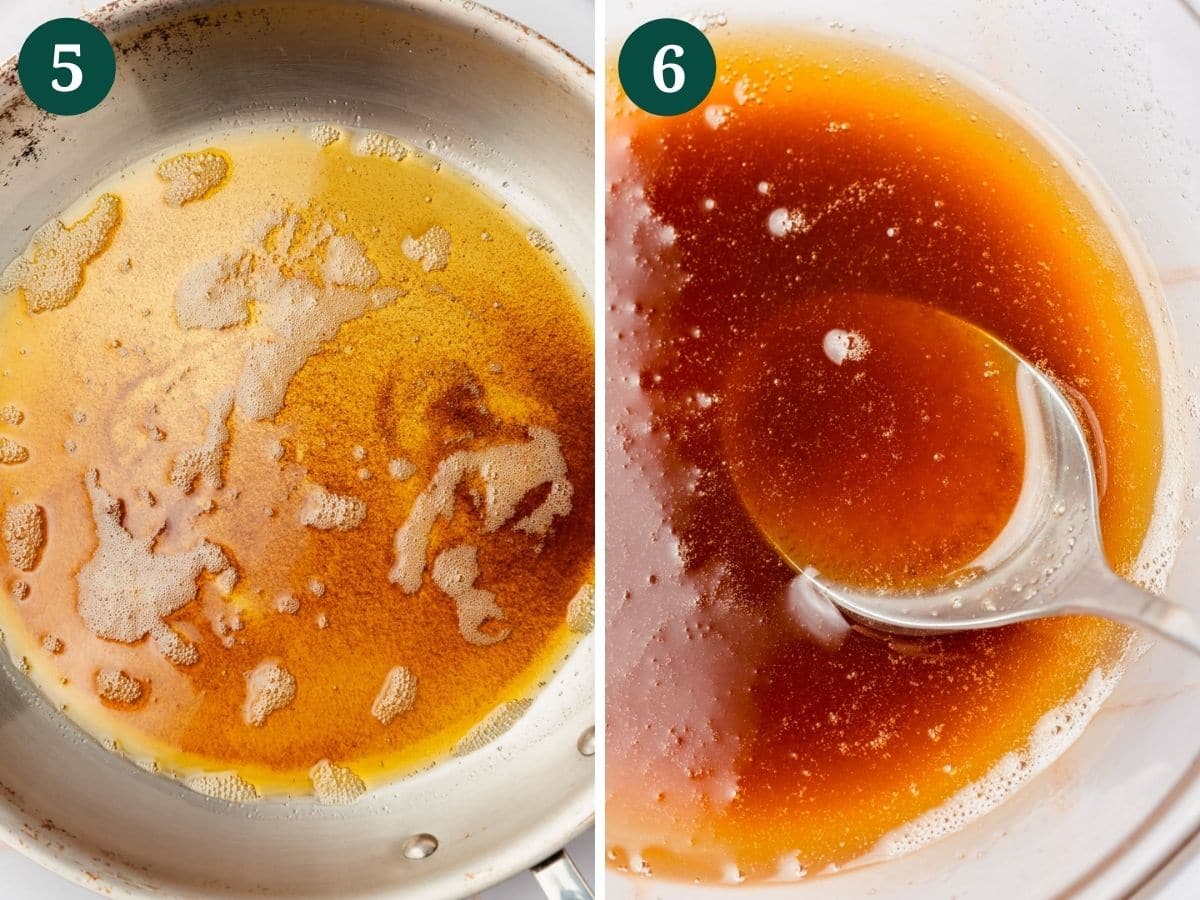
(440, 362)
(903, 414)
(779, 230)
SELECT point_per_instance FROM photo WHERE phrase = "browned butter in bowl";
(775, 258)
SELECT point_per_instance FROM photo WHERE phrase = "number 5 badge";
(67, 66)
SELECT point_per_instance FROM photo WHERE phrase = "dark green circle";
(637, 64)
(95, 60)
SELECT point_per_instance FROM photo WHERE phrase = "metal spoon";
(1047, 560)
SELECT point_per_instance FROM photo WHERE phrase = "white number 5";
(661, 66)
(75, 78)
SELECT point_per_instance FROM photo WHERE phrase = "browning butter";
(232, 375)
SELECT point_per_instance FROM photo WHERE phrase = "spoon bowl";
(1048, 559)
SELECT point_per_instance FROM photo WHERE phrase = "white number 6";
(661, 66)
(76, 77)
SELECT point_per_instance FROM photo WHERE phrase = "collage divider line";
(599, 315)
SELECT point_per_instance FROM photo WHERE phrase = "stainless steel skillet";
(516, 113)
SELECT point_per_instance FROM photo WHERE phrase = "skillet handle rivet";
(419, 846)
(587, 741)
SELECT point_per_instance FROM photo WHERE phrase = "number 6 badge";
(667, 67)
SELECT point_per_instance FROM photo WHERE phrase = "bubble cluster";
(191, 176)
(24, 534)
(324, 134)
(50, 271)
(840, 345)
(539, 240)
(346, 263)
(227, 786)
(384, 145)
(581, 613)
(288, 604)
(431, 250)
(206, 462)
(300, 312)
(269, 688)
(717, 114)
(118, 687)
(127, 590)
(783, 221)
(396, 696)
(335, 785)
(509, 472)
(495, 724)
(327, 511)
(401, 469)
(214, 294)
(455, 572)
(12, 453)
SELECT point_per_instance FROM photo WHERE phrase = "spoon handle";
(1115, 598)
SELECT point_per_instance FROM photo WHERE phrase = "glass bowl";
(1112, 88)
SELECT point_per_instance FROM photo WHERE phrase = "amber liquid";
(829, 187)
(468, 357)
(918, 428)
